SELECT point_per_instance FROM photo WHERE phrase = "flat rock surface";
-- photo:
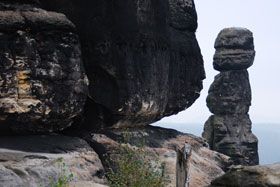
(253, 176)
(30, 160)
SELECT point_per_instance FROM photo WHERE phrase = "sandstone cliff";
(97, 64)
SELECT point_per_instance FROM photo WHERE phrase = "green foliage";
(62, 179)
(133, 167)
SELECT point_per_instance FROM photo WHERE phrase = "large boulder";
(43, 86)
(32, 161)
(142, 57)
(253, 176)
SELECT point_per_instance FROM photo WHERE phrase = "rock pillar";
(229, 130)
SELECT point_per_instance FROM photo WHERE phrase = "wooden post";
(183, 165)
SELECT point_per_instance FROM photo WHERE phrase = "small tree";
(134, 167)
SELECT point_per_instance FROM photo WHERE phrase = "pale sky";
(262, 18)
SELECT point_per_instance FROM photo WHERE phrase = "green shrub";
(133, 167)
(62, 179)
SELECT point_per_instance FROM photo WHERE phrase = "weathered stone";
(142, 58)
(230, 93)
(205, 165)
(233, 59)
(39, 21)
(235, 38)
(229, 98)
(43, 86)
(232, 136)
(183, 164)
(32, 160)
(234, 49)
(253, 176)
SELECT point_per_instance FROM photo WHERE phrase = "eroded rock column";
(229, 130)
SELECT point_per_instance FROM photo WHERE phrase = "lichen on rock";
(42, 81)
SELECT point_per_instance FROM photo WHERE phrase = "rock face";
(204, 165)
(228, 131)
(250, 176)
(42, 81)
(142, 58)
(230, 93)
(143, 63)
(23, 163)
(232, 136)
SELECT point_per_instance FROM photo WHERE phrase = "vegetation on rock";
(134, 167)
(62, 179)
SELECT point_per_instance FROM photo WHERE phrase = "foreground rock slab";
(205, 165)
(31, 160)
(250, 176)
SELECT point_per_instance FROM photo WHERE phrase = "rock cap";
(235, 38)
(234, 49)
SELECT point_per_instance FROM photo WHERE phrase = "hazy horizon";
(261, 18)
(267, 134)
